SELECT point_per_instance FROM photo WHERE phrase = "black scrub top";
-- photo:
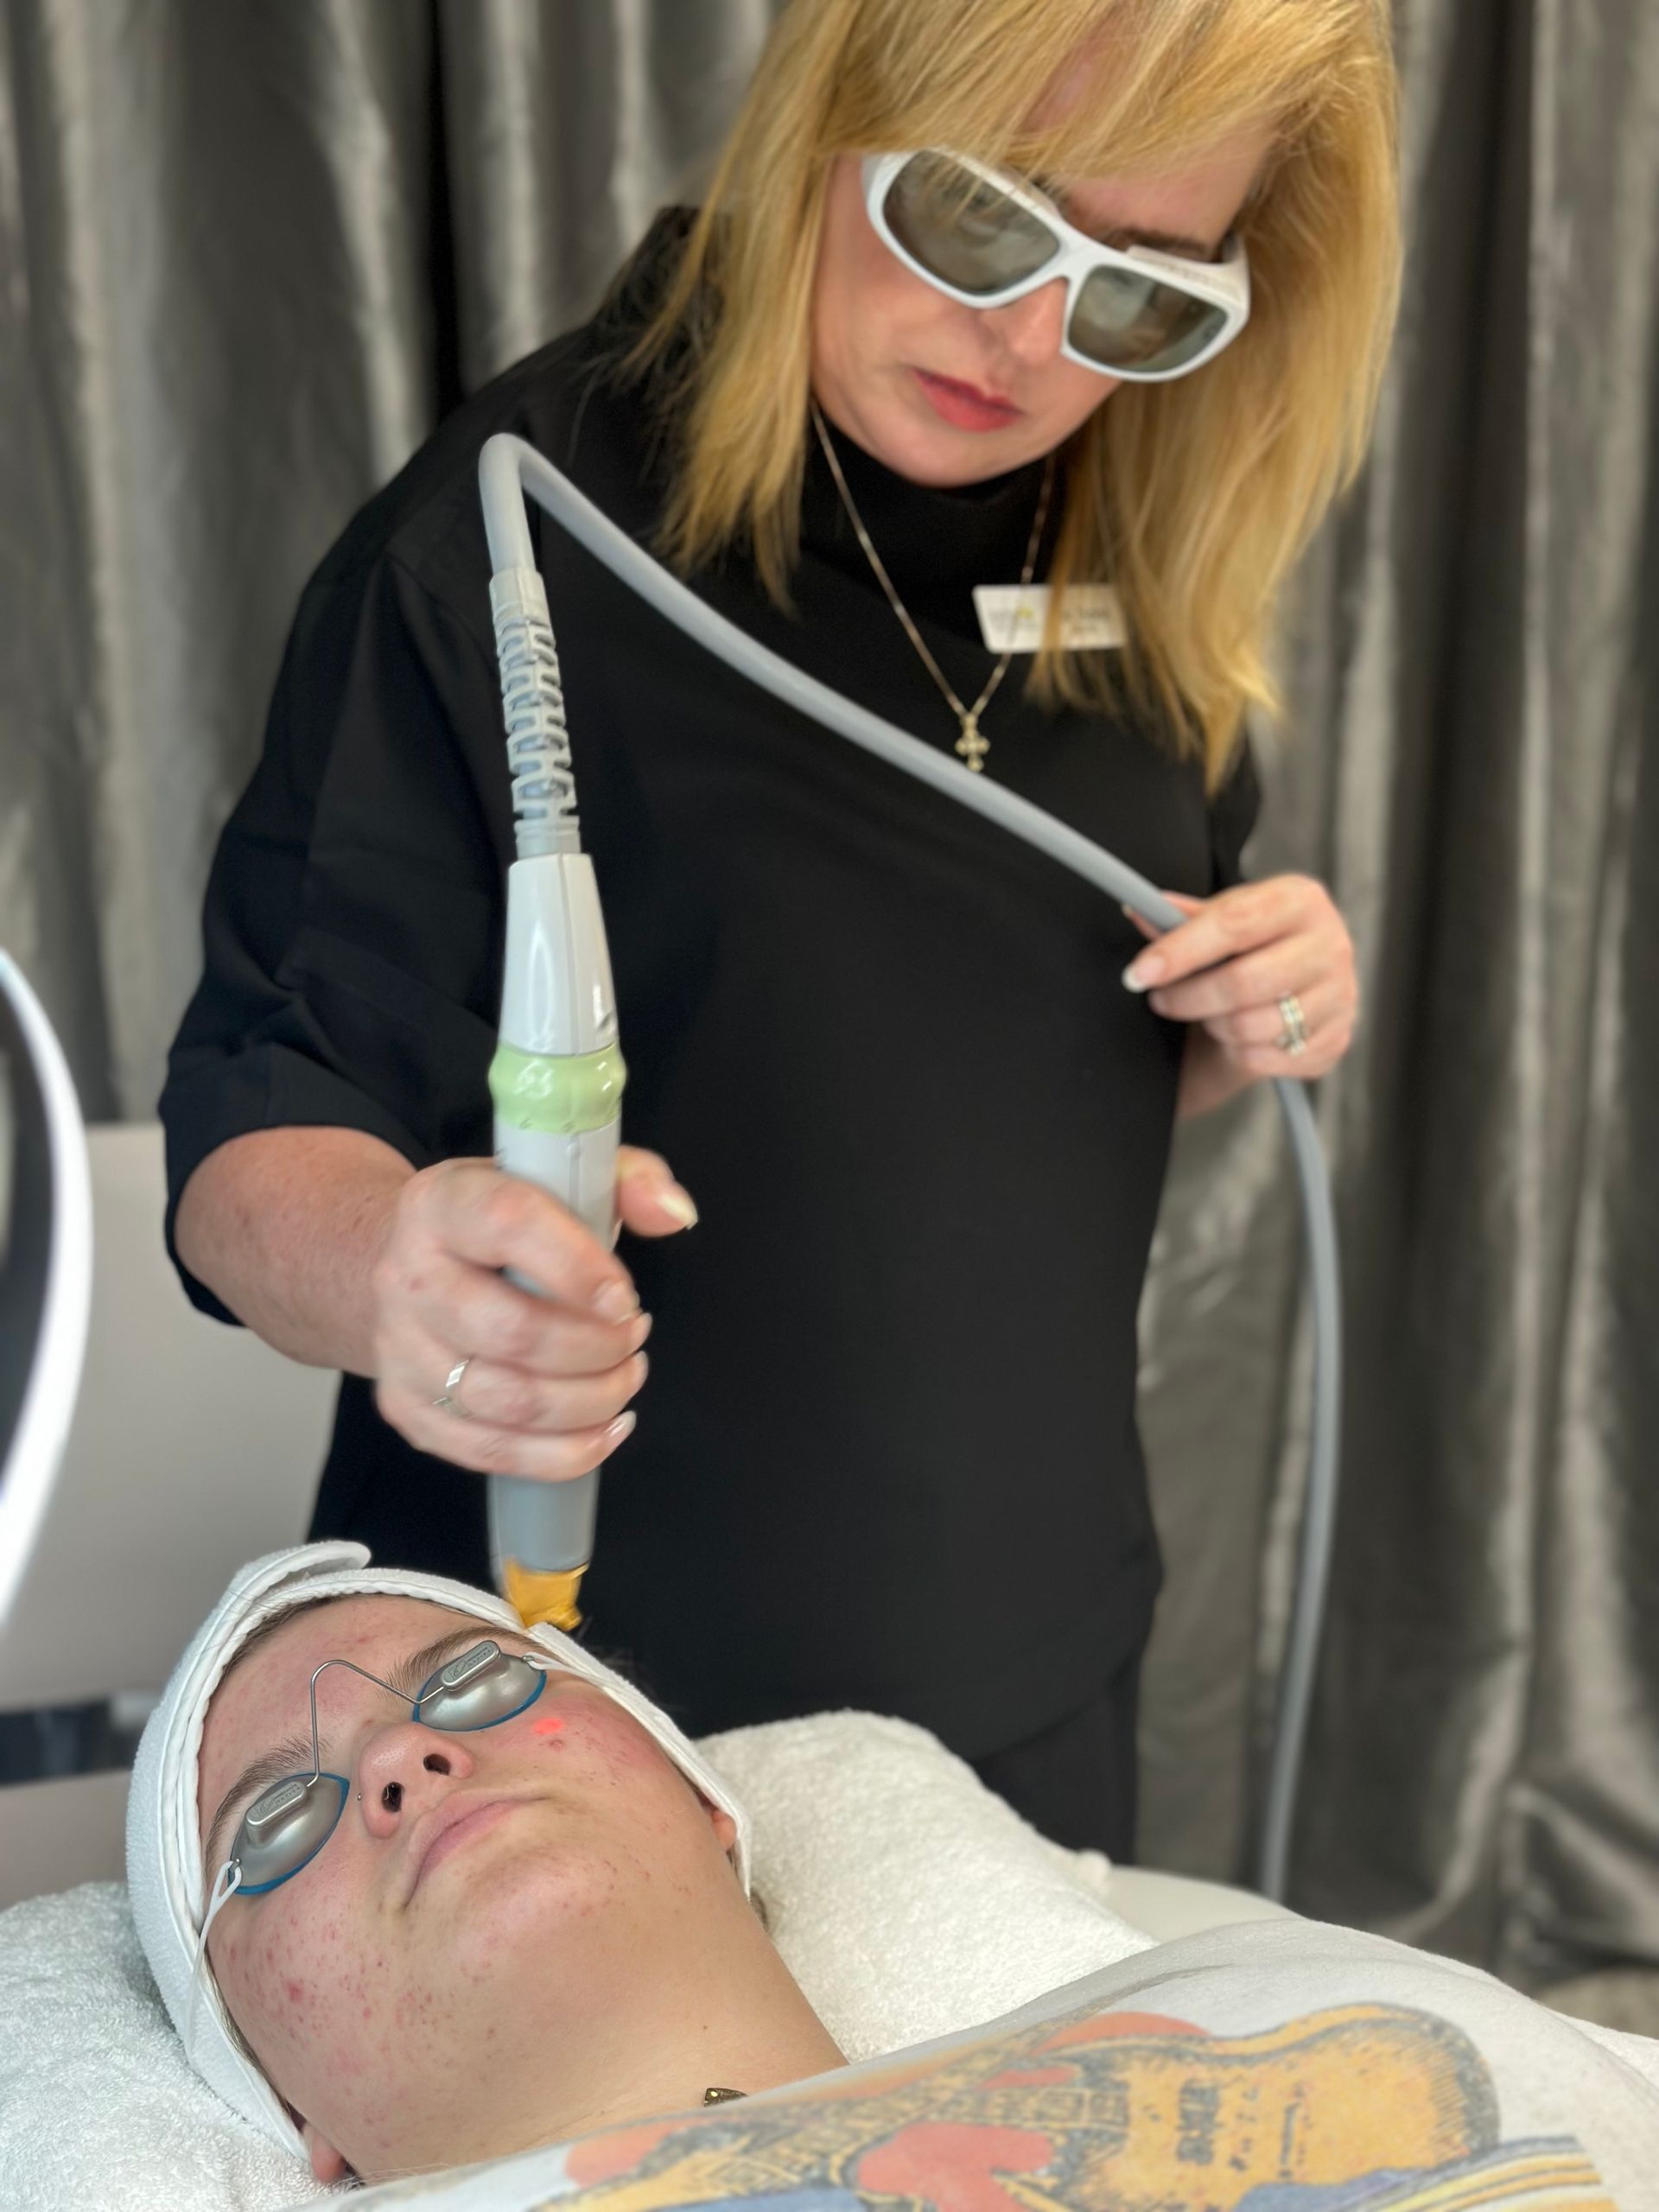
(887, 1456)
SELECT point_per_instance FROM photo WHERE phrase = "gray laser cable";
(509, 469)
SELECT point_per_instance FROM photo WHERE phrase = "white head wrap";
(164, 1868)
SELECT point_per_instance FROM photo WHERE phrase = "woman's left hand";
(1229, 967)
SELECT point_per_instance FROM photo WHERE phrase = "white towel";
(906, 1899)
(98, 2106)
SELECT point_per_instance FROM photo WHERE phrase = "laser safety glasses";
(984, 237)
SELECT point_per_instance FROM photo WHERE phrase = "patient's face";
(391, 1995)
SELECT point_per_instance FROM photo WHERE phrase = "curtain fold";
(1484, 1760)
(553, 185)
(214, 344)
(247, 253)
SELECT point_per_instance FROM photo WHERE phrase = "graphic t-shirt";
(1272, 2067)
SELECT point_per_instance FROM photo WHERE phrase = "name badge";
(1012, 620)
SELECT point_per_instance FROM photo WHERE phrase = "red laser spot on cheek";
(550, 1727)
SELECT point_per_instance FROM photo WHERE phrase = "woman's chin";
(907, 438)
(945, 446)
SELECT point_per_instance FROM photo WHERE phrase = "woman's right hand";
(548, 1379)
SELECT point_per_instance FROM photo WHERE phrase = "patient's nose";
(403, 1768)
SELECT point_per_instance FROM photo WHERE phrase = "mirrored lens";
(1126, 320)
(286, 1826)
(289, 1823)
(480, 1688)
(961, 229)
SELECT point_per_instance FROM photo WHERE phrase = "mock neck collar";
(936, 545)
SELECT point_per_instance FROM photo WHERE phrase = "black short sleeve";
(1233, 811)
(351, 916)
(880, 1039)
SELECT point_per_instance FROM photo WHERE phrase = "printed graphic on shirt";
(1360, 2108)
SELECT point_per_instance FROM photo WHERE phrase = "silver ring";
(447, 1402)
(1293, 1038)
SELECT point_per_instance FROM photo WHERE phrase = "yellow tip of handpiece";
(544, 1596)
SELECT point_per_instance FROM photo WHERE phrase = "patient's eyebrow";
(409, 1675)
(257, 1775)
(412, 1674)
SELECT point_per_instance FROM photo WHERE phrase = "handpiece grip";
(542, 1533)
(557, 1122)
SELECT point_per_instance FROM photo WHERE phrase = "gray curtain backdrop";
(249, 248)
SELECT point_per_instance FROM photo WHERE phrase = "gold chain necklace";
(971, 745)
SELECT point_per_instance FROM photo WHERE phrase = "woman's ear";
(326, 2163)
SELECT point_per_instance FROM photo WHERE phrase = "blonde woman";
(1071, 293)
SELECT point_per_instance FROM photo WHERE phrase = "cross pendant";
(971, 746)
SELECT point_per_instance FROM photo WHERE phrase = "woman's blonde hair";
(1194, 497)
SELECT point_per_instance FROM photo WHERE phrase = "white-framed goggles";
(985, 237)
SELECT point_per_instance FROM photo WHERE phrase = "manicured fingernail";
(1142, 974)
(621, 1427)
(615, 1302)
(679, 1205)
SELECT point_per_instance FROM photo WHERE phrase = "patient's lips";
(454, 1823)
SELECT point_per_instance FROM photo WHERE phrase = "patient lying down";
(504, 1906)
(524, 1932)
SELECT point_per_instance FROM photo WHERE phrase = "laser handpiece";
(509, 469)
(557, 1075)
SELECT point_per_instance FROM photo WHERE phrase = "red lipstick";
(965, 406)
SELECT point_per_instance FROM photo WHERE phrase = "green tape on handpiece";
(557, 1095)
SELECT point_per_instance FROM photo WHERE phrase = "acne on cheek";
(289, 1992)
(271, 1992)
(616, 1737)
(604, 1732)
(604, 1890)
